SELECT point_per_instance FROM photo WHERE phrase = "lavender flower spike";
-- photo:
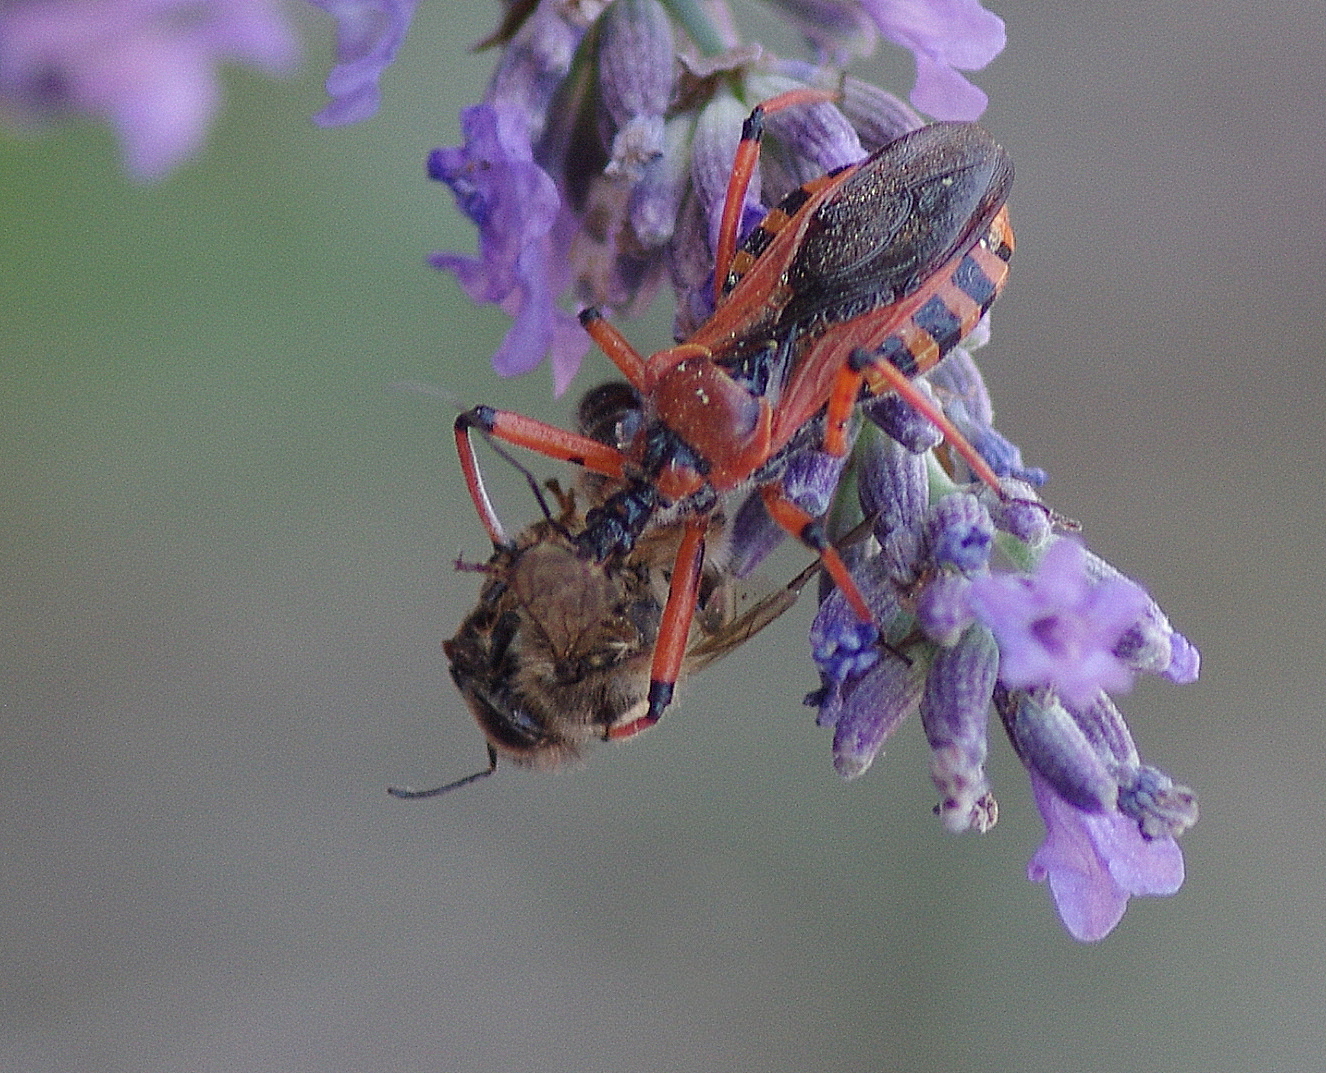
(1095, 861)
(523, 239)
(369, 32)
(945, 36)
(148, 68)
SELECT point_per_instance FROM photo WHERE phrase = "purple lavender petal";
(1185, 661)
(523, 231)
(368, 35)
(945, 36)
(148, 68)
(1057, 628)
(1095, 862)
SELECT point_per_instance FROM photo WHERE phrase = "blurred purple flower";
(945, 36)
(524, 236)
(1057, 627)
(146, 67)
(1096, 861)
(368, 34)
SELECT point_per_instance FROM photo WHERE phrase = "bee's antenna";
(406, 794)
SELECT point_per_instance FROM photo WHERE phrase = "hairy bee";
(557, 652)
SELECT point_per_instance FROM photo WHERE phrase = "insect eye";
(508, 725)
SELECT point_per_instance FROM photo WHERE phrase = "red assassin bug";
(855, 283)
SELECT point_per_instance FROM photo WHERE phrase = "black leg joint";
(860, 359)
(752, 130)
(660, 696)
(589, 315)
(813, 536)
(484, 418)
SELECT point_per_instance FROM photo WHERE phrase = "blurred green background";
(225, 568)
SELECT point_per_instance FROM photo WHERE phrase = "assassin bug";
(855, 283)
(558, 650)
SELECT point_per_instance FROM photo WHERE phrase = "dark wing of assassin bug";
(558, 651)
(857, 282)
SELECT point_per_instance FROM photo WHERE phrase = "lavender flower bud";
(1050, 742)
(1103, 725)
(1021, 515)
(717, 132)
(954, 711)
(893, 487)
(958, 377)
(810, 480)
(657, 195)
(901, 422)
(942, 608)
(691, 268)
(871, 709)
(636, 75)
(817, 134)
(960, 533)
(533, 64)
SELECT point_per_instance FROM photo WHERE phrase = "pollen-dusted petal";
(1050, 743)
(960, 532)
(955, 713)
(872, 708)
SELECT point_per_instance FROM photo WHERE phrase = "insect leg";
(536, 436)
(614, 345)
(675, 627)
(881, 375)
(743, 167)
(809, 530)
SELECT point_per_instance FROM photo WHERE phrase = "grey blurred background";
(225, 567)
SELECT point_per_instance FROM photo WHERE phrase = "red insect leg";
(881, 375)
(808, 529)
(675, 629)
(525, 432)
(743, 167)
